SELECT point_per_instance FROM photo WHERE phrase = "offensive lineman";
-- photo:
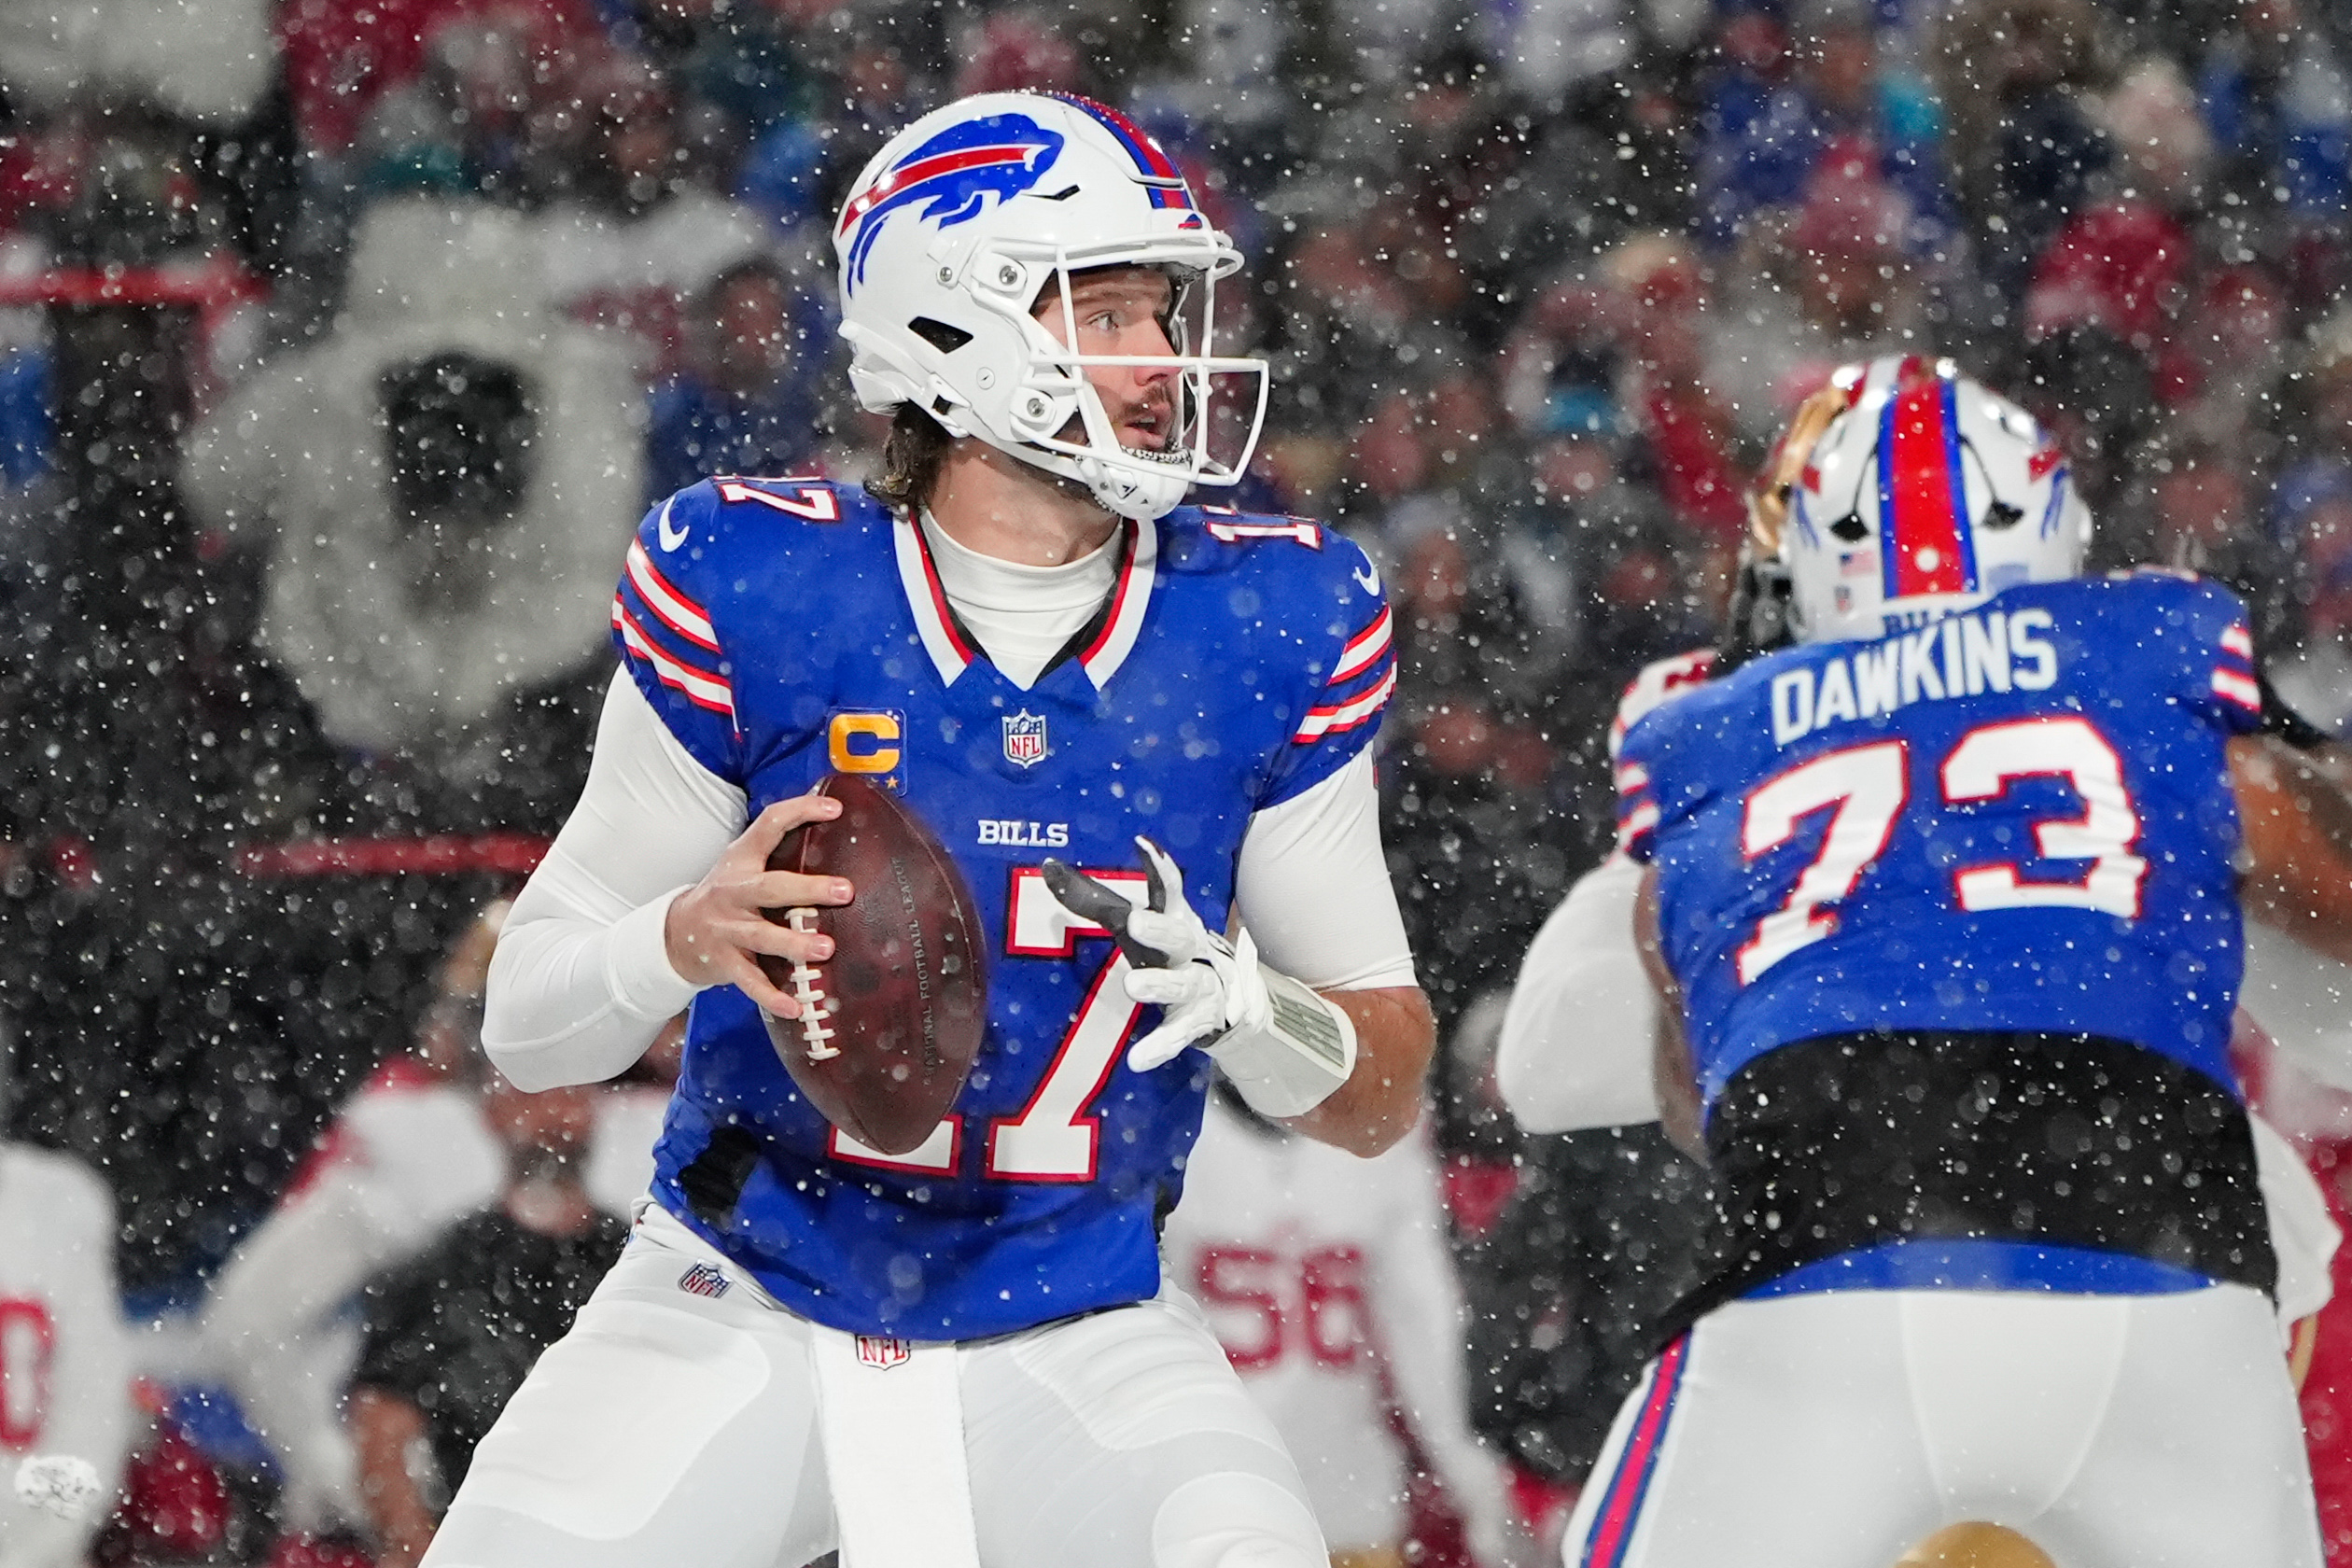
(1955, 943)
(963, 1354)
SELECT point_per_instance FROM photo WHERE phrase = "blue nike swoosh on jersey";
(661, 526)
(1367, 578)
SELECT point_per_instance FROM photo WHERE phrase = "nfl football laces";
(889, 1024)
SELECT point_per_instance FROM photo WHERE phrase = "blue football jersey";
(785, 629)
(2014, 819)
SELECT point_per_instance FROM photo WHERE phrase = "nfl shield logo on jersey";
(1025, 739)
(883, 1354)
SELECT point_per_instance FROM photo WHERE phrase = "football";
(892, 1021)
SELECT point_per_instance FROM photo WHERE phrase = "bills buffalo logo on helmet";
(954, 174)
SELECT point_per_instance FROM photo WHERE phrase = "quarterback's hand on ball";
(715, 928)
(1284, 1047)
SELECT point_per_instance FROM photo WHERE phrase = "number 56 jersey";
(784, 630)
(2018, 817)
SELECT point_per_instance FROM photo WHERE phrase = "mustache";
(1156, 400)
(1156, 406)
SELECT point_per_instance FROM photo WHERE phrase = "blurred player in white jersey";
(65, 1356)
(410, 1154)
(1329, 1283)
(450, 1333)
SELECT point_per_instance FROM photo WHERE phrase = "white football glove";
(1284, 1047)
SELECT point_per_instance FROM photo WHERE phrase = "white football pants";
(1835, 1430)
(672, 1426)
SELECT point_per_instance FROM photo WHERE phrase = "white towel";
(892, 1413)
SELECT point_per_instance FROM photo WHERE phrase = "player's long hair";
(911, 460)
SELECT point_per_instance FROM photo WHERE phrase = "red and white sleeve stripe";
(700, 687)
(673, 608)
(1635, 826)
(1364, 650)
(2240, 689)
(1333, 717)
(2238, 685)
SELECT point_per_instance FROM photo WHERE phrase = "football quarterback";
(963, 1352)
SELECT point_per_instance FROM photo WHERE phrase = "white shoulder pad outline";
(1658, 681)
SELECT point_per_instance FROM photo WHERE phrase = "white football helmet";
(967, 218)
(1927, 495)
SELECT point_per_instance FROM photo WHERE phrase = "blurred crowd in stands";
(342, 344)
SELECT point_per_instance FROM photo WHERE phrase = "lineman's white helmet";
(972, 214)
(1928, 494)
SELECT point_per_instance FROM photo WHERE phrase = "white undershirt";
(1022, 615)
(582, 983)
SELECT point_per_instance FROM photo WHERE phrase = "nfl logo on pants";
(1025, 739)
(876, 1351)
(704, 1280)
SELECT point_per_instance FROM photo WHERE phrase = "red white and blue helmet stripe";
(1155, 170)
(1925, 543)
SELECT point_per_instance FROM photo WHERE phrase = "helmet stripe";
(1923, 537)
(1154, 165)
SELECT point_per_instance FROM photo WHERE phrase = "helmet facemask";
(1054, 392)
(1761, 614)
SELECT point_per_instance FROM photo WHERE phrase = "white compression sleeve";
(580, 983)
(1313, 888)
(1581, 1029)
